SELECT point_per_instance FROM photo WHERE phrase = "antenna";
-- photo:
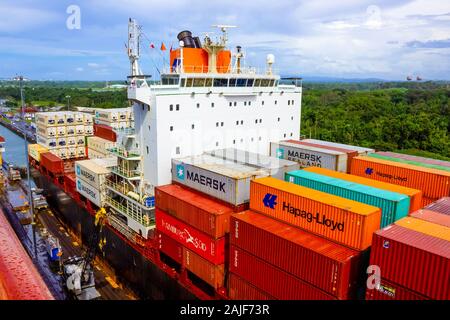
(223, 28)
(134, 39)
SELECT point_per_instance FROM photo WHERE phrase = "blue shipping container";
(393, 205)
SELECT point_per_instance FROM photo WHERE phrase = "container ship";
(211, 193)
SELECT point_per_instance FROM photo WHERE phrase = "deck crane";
(78, 272)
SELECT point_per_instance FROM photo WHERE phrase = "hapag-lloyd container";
(308, 156)
(276, 167)
(318, 261)
(350, 153)
(432, 216)
(222, 179)
(191, 238)
(425, 227)
(415, 158)
(390, 291)
(170, 247)
(411, 162)
(52, 163)
(433, 183)
(414, 260)
(345, 221)
(211, 273)
(393, 205)
(361, 150)
(239, 289)
(270, 279)
(442, 205)
(91, 193)
(92, 172)
(193, 208)
(414, 194)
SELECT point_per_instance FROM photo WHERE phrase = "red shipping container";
(350, 153)
(193, 208)
(199, 242)
(270, 279)
(211, 273)
(414, 260)
(318, 261)
(170, 247)
(442, 206)
(52, 163)
(432, 216)
(390, 291)
(105, 132)
(239, 289)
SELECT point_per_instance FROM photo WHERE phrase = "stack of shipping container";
(118, 118)
(64, 133)
(97, 147)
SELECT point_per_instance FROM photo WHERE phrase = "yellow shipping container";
(35, 150)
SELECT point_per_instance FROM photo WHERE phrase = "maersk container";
(45, 118)
(202, 244)
(393, 205)
(89, 130)
(361, 150)
(46, 132)
(415, 158)
(61, 142)
(309, 156)
(277, 167)
(239, 289)
(336, 267)
(442, 205)
(71, 130)
(91, 172)
(386, 290)
(79, 129)
(344, 221)
(411, 162)
(49, 143)
(414, 260)
(432, 216)
(276, 282)
(89, 192)
(222, 179)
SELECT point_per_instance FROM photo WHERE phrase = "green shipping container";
(414, 163)
(393, 205)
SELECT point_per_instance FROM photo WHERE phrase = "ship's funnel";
(186, 37)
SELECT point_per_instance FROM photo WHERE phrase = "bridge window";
(189, 82)
(177, 107)
(199, 82)
(257, 83)
(235, 103)
(232, 82)
(220, 82)
(208, 82)
(231, 104)
(250, 83)
(170, 107)
(241, 82)
(264, 82)
(272, 82)
(245, 103)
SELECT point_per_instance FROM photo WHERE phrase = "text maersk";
(310, 217)
(88, 191)
(305, 159)
(206, 181)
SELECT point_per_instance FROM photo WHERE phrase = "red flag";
(152, 45)
(163, 47)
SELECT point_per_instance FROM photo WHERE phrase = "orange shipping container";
(433, 183)
(414, 194)
(212, 274)
(425, 227)
(345, 221)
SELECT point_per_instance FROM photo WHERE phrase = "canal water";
(14, 147)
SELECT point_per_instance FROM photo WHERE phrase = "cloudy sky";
(386, 39)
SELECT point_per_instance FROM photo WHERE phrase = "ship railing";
(126, 172)
(122, 188)
(131, 210)
(219, 70)
(118, 224)
(126, 131)
(121, 151)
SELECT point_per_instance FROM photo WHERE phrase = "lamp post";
(68, 102)
(30, 193)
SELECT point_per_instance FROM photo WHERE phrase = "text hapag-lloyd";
(390, 176)
(184, 235)
(323, 220)
(206, 181)
(311, 159)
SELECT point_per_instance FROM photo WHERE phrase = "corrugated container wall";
(92, 173)
(433, 183)
(170, 247)
(345, 221)
(411, 162)
(193, 208)
(414, 194)
(320, 262)
(361, 150)
(442, 205)
(414, 260)
(415, 158)
(432, 216)
(393, 205)
(89, 192)
(212, 274)
(308, 156)
(52, 163)
(239, 289)
(391, 291)
(35, 150)
(270, 279)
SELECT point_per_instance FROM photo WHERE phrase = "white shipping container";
(88, 119)
(49, 143)
(70, 117)
(91, 193)
(92, 172)
(80, 140)
(79, 129)
(71, 130)
(71, 141)
(71, 152)
(99, 144)
(61, 142)
(81, 152)
(107, 115)
(45, 131)
(94, 154)
(61, 131)
(106, 162)
(361, 150)
(223, 179)
(309, 156)
(60, 118)
(45, 118)
(88, 130)
(79, 118)
(277, 167)
(60, 152)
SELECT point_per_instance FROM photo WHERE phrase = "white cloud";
(79, 69)
(16, 18)
(93, 65)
